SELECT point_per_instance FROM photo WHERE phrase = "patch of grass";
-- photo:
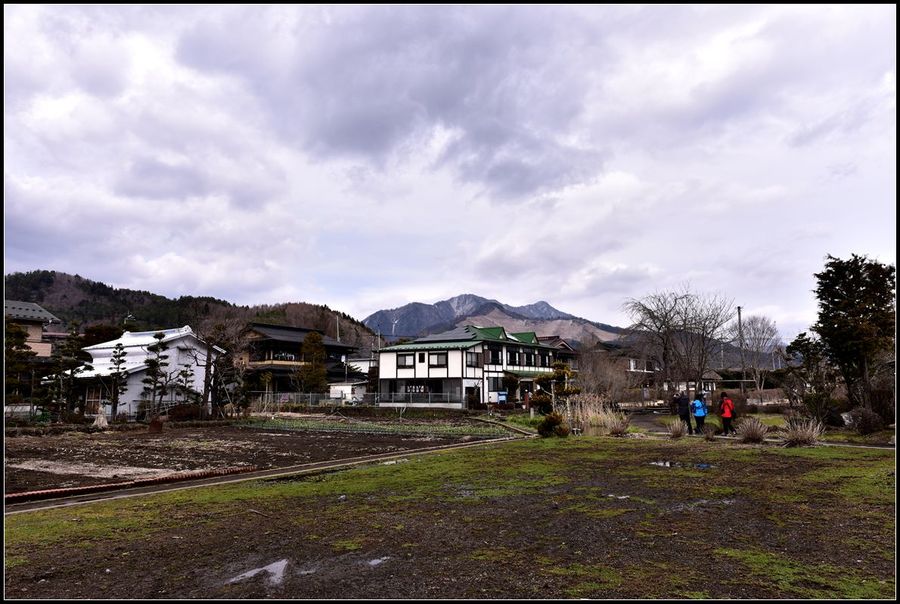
(594, 511)
(483, 430)
(876, 484)
(808, 580)
(14, 561)
(346, 545)
(523, 420)
(596, 578)
(851, 437)
(494, 554)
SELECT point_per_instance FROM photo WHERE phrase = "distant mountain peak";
(417, 319)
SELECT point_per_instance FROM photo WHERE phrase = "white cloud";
(367, 157)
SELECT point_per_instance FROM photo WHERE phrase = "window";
(494, 356)
(421, 357)
(495, 384)
(512, 357)
(473, 359)
(405, 360)
(529, 359)
(545, 360)
(437, 359)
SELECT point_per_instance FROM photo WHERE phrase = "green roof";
(465, 337)
(412, 346)
(529, 337)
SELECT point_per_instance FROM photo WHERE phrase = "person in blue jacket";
(698, 407)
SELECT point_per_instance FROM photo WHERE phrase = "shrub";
(802, 432)
(709, 432)
(751, 430)
(866, 421)
(677, 429)
(543, 402)
(552, 425)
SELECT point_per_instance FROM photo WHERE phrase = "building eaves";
(27, 311)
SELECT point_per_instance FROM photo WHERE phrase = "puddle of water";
(378, 561)
(275, 570)
(678, 464)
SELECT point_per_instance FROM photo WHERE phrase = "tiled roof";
(284, 333)
(27, 311)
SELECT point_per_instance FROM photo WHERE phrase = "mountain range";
(75, 298)
(417, 319)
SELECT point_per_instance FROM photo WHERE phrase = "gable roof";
(137, 339)
(27, 311)
(464, 337)
(135, 344)
(285, 333)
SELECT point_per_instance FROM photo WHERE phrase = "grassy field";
(549, 518)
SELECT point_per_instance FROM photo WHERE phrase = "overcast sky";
(366, 157)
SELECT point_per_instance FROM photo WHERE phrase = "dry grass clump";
(615, 423)
(677, 429)
(803, 432)
(751, 430)
(709, 433)
(594, 410)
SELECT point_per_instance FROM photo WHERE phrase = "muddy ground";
(79, 458)
(554, 518)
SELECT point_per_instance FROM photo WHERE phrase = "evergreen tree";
(311, 376)
(18, 362)
(857, 320)
(118, 377)
(69, 362)
(157, 379)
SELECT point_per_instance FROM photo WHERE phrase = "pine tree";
(157, 378)
(857, 320)
(118, 377)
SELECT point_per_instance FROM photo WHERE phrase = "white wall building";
(184, 348)
(461, 367)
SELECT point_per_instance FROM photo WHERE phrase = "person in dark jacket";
(683, 404)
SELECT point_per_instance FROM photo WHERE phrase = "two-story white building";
(462, 367)
(183, 349)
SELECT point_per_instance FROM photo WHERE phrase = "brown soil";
(614, 526)
(80, 459)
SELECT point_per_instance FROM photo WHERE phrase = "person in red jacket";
(726, 410)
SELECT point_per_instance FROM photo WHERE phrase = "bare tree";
(760, 342)
(654, 327)
(603, 373)
(216, 330)
(702, 321)
(681, 330)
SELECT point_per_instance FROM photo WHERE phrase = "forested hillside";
(74, 298)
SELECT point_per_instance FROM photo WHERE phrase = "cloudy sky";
(366, 157)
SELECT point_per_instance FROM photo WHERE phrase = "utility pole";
(741, 343)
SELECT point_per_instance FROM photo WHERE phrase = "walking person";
(683, 406)
(726, 410)
(700, 411)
